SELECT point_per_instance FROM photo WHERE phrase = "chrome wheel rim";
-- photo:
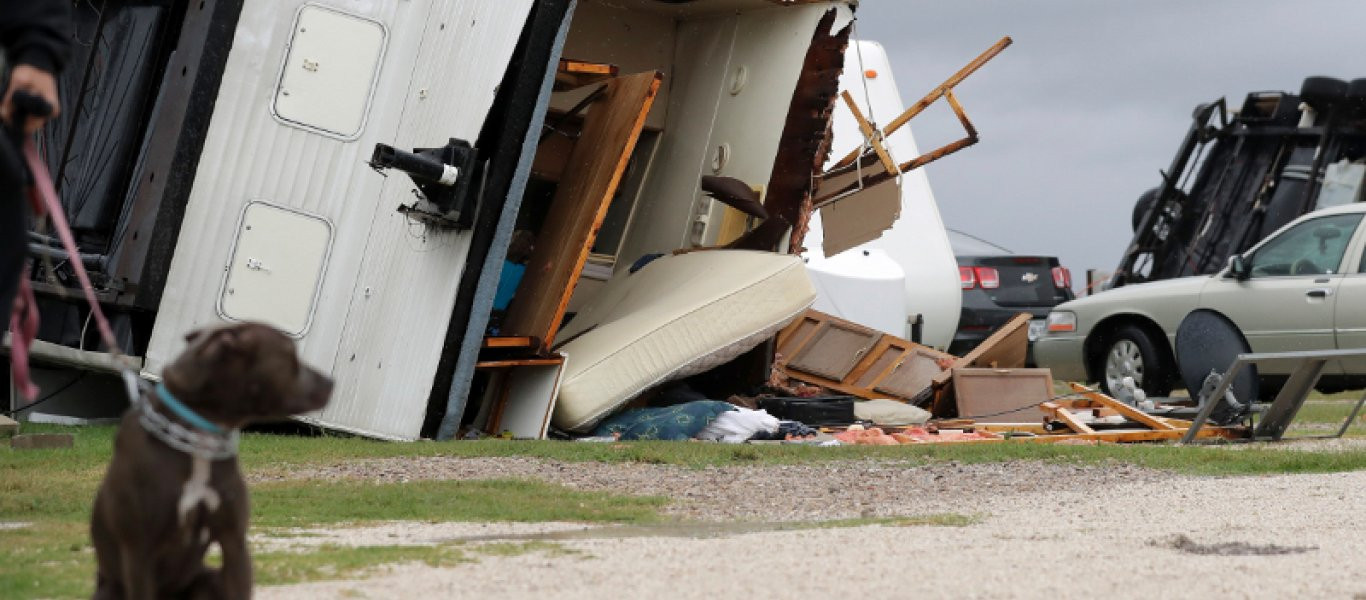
(1124, 360)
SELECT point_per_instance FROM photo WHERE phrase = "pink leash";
(23, 321)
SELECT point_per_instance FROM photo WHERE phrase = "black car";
(998, 285)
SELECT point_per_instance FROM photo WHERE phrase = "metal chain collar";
(198, 444)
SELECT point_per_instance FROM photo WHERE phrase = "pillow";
(890, 412)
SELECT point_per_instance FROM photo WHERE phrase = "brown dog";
(173, 485)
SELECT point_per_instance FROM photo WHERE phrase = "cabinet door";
(594, 169)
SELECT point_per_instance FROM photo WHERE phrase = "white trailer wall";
(389, 284)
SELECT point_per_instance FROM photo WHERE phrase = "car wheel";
(1131, 352)
(1322, 92)
(1145, 202)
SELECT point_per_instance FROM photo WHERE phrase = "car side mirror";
(1237, 267)
(1326, 233)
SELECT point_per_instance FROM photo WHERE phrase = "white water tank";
(862, 285)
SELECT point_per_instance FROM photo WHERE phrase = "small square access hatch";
(276, 267)
(329, 72)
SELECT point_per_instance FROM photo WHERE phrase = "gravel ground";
(836, 490)
(1043, 530)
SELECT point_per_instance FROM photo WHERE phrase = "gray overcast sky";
(1092, 99)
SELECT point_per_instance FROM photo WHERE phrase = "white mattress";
(677, 316)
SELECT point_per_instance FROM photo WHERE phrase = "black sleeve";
(36, 32)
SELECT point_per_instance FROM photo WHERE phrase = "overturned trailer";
(1241, 174)
(214, 164)
(423, 193)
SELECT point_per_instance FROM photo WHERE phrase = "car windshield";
(1314, 247)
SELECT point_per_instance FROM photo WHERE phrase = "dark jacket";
(36, 32)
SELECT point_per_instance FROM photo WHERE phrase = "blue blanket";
(678, 422)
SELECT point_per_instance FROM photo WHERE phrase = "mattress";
(677, 316)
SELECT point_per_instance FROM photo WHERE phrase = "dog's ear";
(221, 344)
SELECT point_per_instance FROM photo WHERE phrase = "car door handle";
(1319, 293)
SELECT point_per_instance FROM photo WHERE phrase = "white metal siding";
(390, 284)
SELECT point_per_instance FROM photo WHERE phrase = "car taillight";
(987, 277)
(966, 278)
(1062, 277)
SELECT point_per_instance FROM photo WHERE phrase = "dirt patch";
(1183, 543)
(399, 533)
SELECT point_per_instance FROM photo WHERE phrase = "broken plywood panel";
(859, 217)
(824, 350)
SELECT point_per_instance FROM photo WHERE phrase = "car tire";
(1131, 352)
(1323, 92)
(1145, 201)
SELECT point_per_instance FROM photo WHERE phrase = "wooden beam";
(520, 341)
(569, 65)
(936, 93)
(1059, 413)
(870, 134)
(573, 74)
(962, 116)
(518, 362)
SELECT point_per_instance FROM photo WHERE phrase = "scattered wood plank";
(1129, 412)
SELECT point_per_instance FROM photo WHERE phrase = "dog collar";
(215, 445)
(169, 401)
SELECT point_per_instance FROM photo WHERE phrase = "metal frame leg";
(1352, 417)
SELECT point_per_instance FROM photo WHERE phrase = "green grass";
(349, 562)
(47, 560)
(53, 490)
(40, 560)
(1326, 412)
(311, 502)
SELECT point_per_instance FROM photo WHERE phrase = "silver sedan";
(1302, 288)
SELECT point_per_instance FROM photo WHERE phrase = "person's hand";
(34, 81)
